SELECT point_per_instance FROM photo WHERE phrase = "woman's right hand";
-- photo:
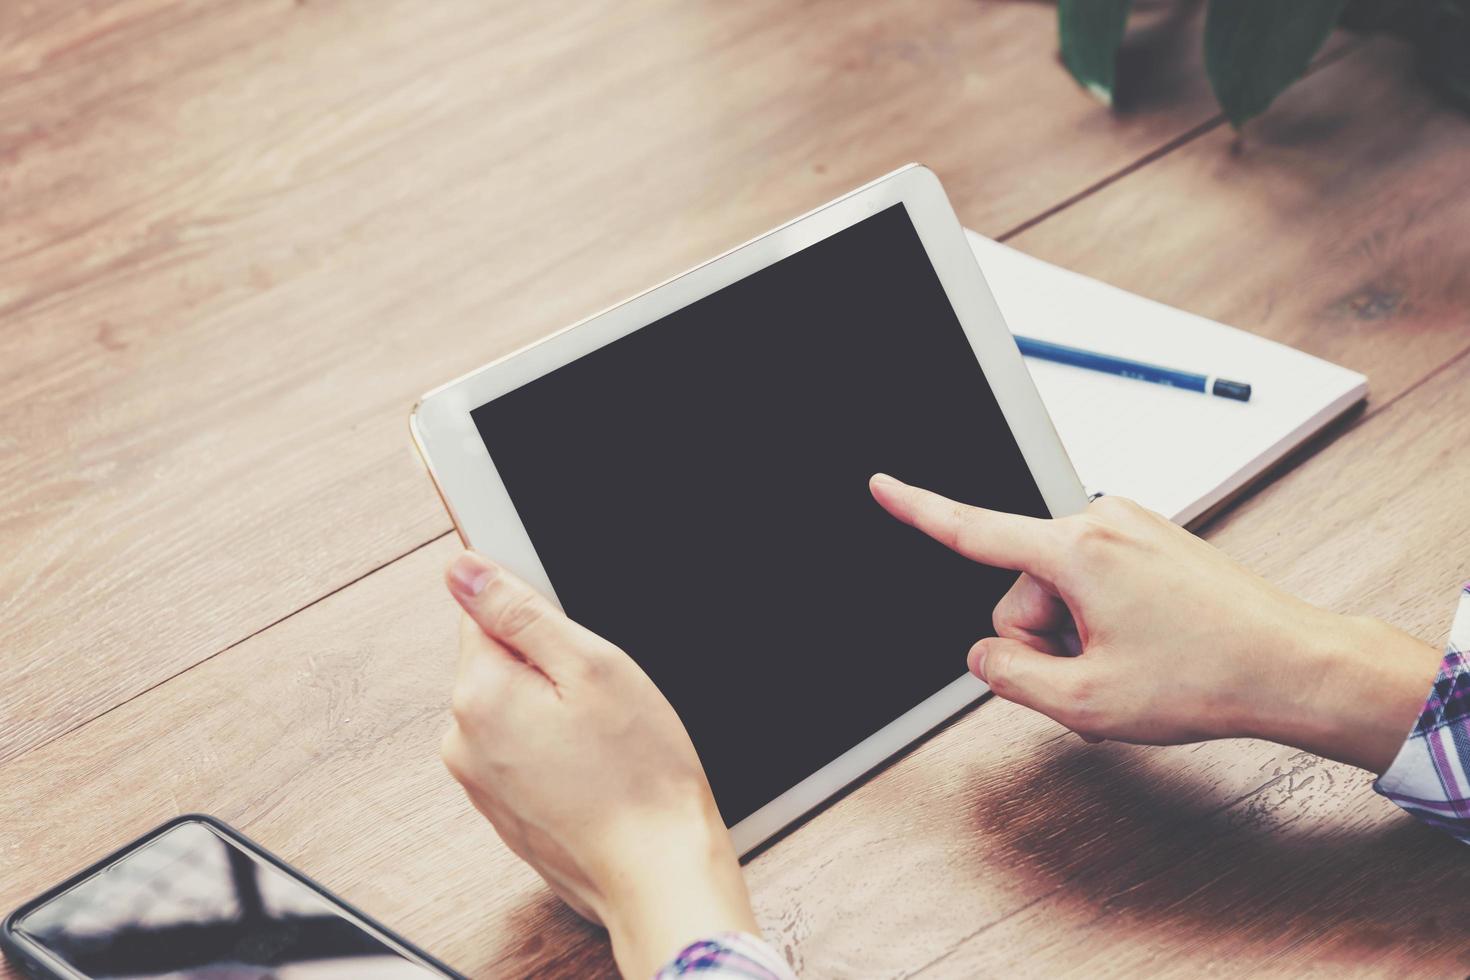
(1125, 626)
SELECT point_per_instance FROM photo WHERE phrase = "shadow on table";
(1311, 856)
(1159, 57)
(1159, 63)
(550, 940)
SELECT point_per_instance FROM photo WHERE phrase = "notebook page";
(1177, 452)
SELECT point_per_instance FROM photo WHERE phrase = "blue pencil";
(1108, 364)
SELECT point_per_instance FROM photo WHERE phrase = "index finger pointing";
(1025, 544)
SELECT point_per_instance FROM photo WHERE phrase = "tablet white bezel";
(487, 520)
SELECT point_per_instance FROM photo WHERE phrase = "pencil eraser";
(1238, 390)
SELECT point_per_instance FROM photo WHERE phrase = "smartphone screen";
(194, 903)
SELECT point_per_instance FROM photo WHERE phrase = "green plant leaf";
(1444, 50)
(1439, 29)
(1091, 31)
(1404, 17)
(1256, 48)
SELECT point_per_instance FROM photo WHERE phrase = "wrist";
(672, 887)
(1356, 688)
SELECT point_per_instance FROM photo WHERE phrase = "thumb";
(515, 615)
(1028, 677)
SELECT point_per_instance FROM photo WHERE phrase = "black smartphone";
(196, 900)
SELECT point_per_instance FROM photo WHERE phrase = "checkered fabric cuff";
(728, 956)
(1430, 777)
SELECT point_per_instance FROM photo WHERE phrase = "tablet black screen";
(698, 494)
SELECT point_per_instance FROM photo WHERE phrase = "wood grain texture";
(1335, 224)
(198, 226)
(1311, 873)
(241, 238)
(1243, 856)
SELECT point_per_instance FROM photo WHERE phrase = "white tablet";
(686, 474)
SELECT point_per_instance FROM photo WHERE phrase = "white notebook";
(1177, 452)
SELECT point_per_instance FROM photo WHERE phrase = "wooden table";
(240, 238)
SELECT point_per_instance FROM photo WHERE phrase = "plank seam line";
(1230, 804)
(1163, 150)
(1188, 136)
(1429, 376)
(1248, 794)
(1255, 791)
(1376, 410)
(1136, 165)
(1223, 807)
(226, 649)
(1029, 223)
(1200, 818)
(1133, 167)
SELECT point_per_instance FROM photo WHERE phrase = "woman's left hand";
(584, 769)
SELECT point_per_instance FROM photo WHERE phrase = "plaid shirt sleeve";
(727, 956)
(1430, 777)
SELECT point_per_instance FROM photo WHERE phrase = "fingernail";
(977, 661)
(469, 573)
(884, 480)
